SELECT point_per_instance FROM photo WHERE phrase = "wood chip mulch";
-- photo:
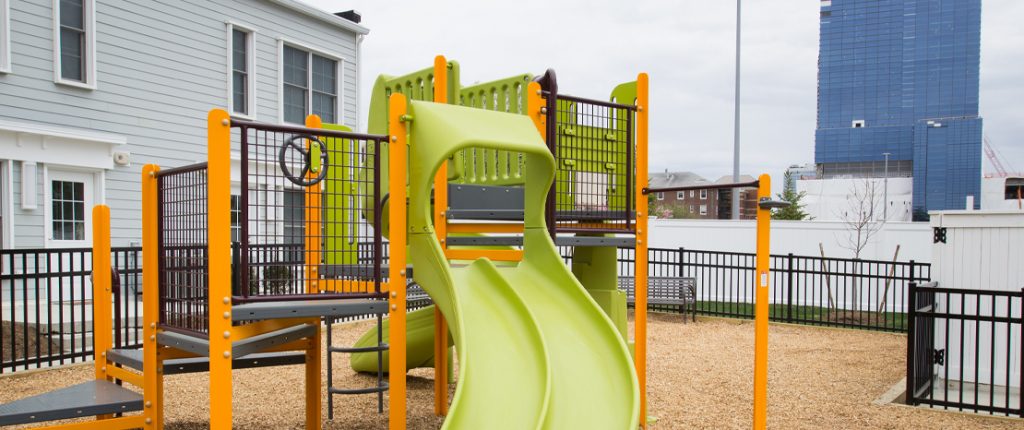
(700, 376)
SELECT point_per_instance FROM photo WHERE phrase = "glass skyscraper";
(901, 77)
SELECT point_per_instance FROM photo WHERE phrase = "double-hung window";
(309, 85)
(242, 82)
(74, 42)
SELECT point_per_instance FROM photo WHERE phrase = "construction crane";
(996, 160)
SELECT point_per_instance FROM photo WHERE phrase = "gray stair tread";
(132, 358)
(83, 400)
(306, 308)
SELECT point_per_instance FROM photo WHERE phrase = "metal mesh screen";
(184, 264)
(594, 154)
(308, 210)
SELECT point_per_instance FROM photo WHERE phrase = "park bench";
(665, 291)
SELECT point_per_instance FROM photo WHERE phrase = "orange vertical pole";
(534, 103)
(152, 364)
(640, 260)
(314, 208)
(441, 228)
(101, 289)
(219, 257)
(398, 136)
(764, 217)
(314, 204)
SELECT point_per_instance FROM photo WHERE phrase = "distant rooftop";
(675, 179)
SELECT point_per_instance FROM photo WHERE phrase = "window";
(691, 193)
(68, 209)
(294, 216)
(236, 218)
(859, 123)
(242, 85)
(680, 195)
(68, 202)
(661, 196)
(74, 43)
(1014, 188)
(691, 208)
(703, 194)
(703, 209)
(309, 85)
(5, 37)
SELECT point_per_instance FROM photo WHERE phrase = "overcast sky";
(688, 48)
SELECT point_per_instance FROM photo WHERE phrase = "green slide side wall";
(340, 212)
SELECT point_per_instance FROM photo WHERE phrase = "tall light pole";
(885, 189)
(736, 125)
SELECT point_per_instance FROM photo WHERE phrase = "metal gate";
(920, 342)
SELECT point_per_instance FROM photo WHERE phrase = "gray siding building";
(92, 90)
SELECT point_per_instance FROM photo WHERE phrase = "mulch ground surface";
(700, 376)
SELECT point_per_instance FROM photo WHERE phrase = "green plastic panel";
(341, 216)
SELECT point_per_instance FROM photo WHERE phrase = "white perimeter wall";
(797, 237)
(828, 199)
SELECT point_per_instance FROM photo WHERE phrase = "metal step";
(132, 358)
(82, 400)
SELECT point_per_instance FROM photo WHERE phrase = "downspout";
(359, 82)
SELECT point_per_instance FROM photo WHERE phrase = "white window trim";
(98, 197)
(703, 194)
(703, 209)
(90, 47)
(5, 36)
(680, 195)
(660, 196)
(250, 42)
(339, 82)
(7, 194)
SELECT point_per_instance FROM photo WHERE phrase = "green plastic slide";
(419, 327)
(535, 350)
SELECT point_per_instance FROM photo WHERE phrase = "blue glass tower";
(901, 77)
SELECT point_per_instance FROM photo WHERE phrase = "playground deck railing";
(595, 155)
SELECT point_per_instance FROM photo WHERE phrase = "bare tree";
(863, 216)
(863, 219)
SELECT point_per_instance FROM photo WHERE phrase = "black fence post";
(911, 381)
(789, 287)
(1021, 349)
(679, 261)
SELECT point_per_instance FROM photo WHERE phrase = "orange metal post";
(101, 289)
(152, 362)
(640, 260)
(218, 226)
(441, 228)
(314, 207)
(764, 191)
(534, 103)
(396, 270)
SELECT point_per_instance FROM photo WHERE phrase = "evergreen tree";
(795, 210)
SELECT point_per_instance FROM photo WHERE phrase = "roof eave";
(321, 15)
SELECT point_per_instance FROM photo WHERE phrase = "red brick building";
(707, 203)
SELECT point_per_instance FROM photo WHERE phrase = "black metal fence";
(964, 349)
(46, 305)
(837, 292)
(46, 301)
